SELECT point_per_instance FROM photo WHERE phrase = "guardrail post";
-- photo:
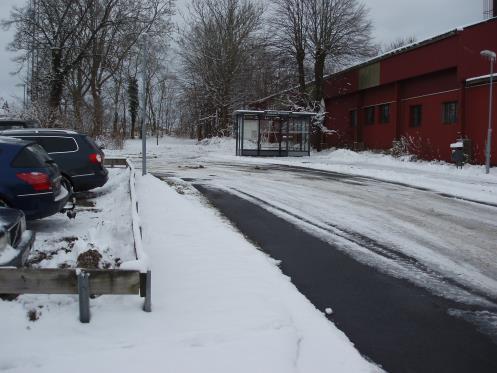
(84, 296)
(147, 305)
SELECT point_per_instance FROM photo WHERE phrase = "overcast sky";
(392, 19)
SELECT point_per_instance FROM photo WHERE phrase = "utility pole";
(491, 56)
(144, 50)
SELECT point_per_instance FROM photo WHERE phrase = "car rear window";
(55, 144)
(92, 143)
(32, 156)
(59, 144)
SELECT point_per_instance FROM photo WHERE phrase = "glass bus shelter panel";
(250, 134)
(298, 140)
(306, 134)
(239, 127)
(270, 134)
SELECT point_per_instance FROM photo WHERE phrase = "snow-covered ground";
(102, 224)
(470, 182)
(446, 245)
(219, 304)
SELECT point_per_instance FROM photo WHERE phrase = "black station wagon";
(80, 160)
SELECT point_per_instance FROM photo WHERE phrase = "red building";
(430, 93)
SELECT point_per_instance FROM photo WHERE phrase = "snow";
(222, 290)
(142, 261)
(470, 182)
(7, 253)
(457, 145)
(102, 223)
(482, 77)
(218, 303)
(436, 241)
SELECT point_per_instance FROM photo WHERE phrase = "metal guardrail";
(116, 162)
(133, 277)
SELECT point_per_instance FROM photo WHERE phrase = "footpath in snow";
(219, 305)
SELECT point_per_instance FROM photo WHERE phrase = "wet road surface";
(398, 325)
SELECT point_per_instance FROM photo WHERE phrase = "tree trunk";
(124, 123)
(77, 102)
(133, 123)
(97, 109)
(301, 71)
(56, 85)
(319, 62)
(318, 75)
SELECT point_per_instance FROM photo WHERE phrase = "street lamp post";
(491, 57)
(144, 66)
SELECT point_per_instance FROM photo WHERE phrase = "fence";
(133, 277)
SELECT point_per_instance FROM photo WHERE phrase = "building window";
(369, 114)
(353, 118)
(415, 116)
(384, 113)
(449, 112)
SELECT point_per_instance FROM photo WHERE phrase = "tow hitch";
(69, 208)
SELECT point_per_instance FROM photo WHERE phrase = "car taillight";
(38, 180)
(95, 158)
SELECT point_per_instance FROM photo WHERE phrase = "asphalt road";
(402, 327)
(410, 274)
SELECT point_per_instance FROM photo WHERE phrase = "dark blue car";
(80, 160)
(29, 179)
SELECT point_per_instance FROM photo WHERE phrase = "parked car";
(29, 179)
(6, 124)
(15, 241)
(80, 160)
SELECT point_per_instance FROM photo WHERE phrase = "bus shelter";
(272, 133)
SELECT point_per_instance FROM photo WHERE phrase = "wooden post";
(147, 305)
(84, 297)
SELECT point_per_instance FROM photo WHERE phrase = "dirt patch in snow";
(89, 259)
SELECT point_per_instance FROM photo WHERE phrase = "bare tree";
(291, 27)
(215, 46)
(397, 43)
(84, 49)
(114, 44)
(60, 29)
(338, 30)
(322, 33)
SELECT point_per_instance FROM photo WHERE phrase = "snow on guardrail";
(142, 263)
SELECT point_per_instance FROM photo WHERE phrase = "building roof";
(275, 113)
(410, 47)
(403, 49)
